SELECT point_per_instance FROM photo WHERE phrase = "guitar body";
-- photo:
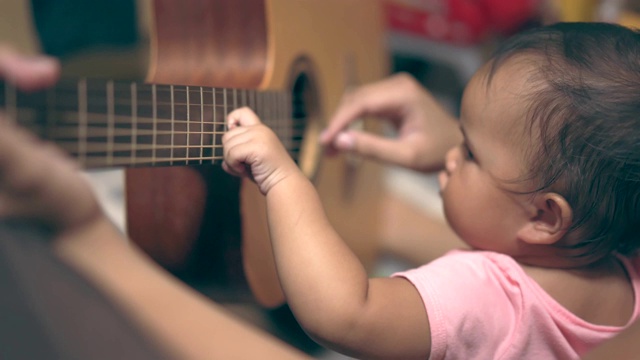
(198, 219)
(224, 44)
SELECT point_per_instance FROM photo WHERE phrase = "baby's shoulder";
(475, 266)
(487, 259)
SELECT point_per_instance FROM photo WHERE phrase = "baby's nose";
(451, 159)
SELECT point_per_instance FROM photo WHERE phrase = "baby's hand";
(251, 149)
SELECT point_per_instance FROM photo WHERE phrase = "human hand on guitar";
(28, 73)
(425, 129)
(252, 149)
(37, 180)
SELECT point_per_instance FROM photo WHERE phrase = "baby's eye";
(467, 152)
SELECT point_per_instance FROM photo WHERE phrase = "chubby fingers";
(29, 73)
(238, 121)
(242, 117)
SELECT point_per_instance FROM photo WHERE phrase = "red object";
(461, 22)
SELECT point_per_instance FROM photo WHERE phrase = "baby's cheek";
(443, 180)
(449, 201)
(454, 201)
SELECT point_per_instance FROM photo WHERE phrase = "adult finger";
(28, 73)
(387, 98)
(13, 141)
(375, 147)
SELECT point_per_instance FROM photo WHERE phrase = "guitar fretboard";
(105, 123)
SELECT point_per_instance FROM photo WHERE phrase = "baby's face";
(475, 185)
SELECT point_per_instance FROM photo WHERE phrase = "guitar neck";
(106, 123)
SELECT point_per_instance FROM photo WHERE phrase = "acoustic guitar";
(156, 106)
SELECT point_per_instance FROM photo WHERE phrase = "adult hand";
(425, 130)
(28, 73)
(37, 180)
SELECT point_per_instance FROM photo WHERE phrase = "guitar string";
(113, 148)
(88, 130)
(96, 121)
(66, 119)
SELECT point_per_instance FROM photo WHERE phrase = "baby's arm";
(325, 284)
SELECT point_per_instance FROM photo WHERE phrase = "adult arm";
(185, 323)
(39, 183)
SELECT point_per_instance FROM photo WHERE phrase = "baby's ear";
(551, 221)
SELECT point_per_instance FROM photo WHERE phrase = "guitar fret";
(270, 117)
(225, 110)
(216, 139)
(274, 114)
(282, 116)
(252, 101)
(110, 122)
(82, 114)
(188, 124)
(154, 110)
(277, 111)
(235, 99)
(134, 121)
(267, 111)
(173, 117)
(201, 125)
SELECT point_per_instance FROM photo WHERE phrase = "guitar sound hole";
(299, 114)
(306, 126)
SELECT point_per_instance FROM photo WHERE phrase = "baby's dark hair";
(587, 114)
